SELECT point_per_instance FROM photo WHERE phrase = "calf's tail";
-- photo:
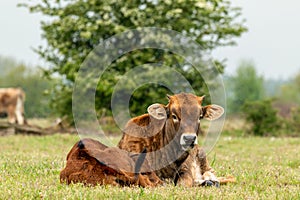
(225, 180)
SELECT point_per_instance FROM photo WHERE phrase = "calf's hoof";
(210, 183)
(207, 183)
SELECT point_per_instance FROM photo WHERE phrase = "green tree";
(74, 28)
(245, 85)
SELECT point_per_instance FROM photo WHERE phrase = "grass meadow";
(265, 168)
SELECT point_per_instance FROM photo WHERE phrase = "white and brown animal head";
(184, 114)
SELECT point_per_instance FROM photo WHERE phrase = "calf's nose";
(189, 139)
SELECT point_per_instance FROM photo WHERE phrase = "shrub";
(262, 116)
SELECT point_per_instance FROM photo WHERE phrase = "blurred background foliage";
(72, 29)
(270, 107)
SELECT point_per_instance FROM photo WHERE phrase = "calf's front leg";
(196, 171)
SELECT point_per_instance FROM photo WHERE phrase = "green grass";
(265, 168)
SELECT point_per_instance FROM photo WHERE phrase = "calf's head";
(183, 114)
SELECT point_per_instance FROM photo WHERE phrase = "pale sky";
(273, 40)
(19, 32)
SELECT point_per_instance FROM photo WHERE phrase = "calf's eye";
(175, 118)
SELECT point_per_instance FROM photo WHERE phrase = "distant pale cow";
(12, 103)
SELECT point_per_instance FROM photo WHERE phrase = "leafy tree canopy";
(73, 28)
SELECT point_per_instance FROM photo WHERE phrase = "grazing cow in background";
(91, 162)
(12, 103)
(169, 134)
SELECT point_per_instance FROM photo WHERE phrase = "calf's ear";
(157, 111)
(212, 112)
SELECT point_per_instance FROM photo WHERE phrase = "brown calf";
(91, 162)
(169, 133)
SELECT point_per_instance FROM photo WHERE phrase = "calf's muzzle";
(188, 140)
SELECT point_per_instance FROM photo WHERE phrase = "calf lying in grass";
(91, 162)
(170, 135)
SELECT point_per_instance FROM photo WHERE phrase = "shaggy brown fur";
(169, 133)
(91, 162)
(12, 103)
